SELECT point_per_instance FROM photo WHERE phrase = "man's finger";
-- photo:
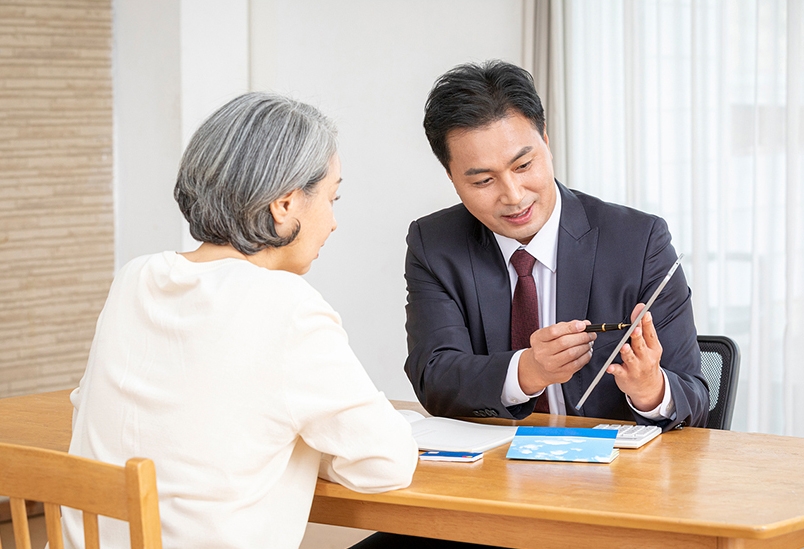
(637, 309)
(649, 330)
(578, 363)
(637, 341)
(569, 328)
(615, 369)
(574, 353)
(627, 353)
(564, 329)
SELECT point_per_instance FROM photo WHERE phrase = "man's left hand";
(639, 376)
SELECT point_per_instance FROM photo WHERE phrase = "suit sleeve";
(450, 377)
(675, 327)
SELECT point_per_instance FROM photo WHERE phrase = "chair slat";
(91, 534)
(53, 525)
(125, 493)
(144, 523)
(19, 517)
(86, 484)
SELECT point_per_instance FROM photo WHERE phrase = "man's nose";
(511, 190)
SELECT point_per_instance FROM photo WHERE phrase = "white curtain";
(694, 110)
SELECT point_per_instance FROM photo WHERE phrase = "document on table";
(564, 444)
(454, 435)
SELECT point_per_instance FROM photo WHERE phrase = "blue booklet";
(564, 444)
(435, 455)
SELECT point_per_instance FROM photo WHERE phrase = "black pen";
(606, 327)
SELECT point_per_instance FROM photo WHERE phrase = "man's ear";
(547, 140)
(284, 208)
(448, 174)
(545, 137)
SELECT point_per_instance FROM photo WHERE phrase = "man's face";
(503, 173)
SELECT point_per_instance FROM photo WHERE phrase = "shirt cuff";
(666, 408)
(512, 393)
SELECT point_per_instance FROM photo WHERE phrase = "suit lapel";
(493, 287)
(577, 246)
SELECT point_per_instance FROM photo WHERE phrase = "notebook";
(454, 435)
(564, 444)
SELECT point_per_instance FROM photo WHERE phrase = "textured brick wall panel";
(56, 209)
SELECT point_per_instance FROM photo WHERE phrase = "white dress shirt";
(544, 247)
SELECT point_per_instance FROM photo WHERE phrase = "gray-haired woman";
(222, 364)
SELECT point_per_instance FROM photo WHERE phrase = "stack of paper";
(454, 435)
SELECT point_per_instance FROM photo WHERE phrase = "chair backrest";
(55, 478)
(720, 365)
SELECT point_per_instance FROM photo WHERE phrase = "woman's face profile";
(314, 212)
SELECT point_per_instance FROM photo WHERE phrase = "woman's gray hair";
(252, 151)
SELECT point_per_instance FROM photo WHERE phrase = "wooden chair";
(56, 478)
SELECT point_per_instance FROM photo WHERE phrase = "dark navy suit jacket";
(610, 258)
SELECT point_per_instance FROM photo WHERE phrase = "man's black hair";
(474, 95)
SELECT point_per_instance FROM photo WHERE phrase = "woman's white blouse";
(234, 379)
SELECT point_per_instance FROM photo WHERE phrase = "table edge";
(404, 498)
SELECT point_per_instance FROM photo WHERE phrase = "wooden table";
(688, 488)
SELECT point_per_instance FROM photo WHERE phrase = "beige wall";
(370, 65)
(56, 208)
(56, 224)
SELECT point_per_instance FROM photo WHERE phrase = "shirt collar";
(544, 244)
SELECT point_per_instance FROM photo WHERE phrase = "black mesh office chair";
(720, 365)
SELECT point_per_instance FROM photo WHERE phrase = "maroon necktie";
(525, 310)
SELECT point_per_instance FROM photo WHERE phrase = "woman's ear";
(284, 209)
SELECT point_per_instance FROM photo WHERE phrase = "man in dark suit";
(595, 262)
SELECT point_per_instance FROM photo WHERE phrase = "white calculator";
(632, 436)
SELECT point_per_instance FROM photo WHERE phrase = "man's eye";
(482, 182)
(525, 166)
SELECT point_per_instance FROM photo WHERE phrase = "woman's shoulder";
(273, 279)
(286, 298)
(227, 278)
(260, 285)
(230, 283)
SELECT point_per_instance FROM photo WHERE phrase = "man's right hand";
(556, 353)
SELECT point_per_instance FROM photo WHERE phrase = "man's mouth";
(520, 217)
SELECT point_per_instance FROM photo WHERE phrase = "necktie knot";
(523, 262)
